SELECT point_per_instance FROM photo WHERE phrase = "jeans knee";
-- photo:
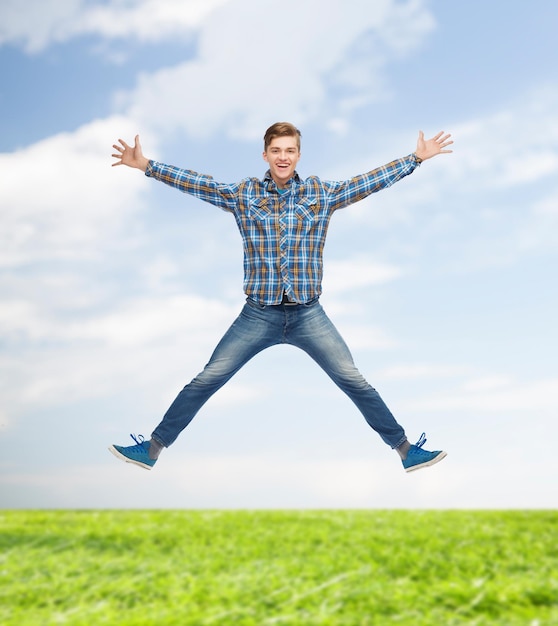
(352, 378)
(213, 374)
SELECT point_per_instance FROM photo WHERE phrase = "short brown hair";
(281, 129)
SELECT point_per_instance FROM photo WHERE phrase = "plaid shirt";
(283, 233)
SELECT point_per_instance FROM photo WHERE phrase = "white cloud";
(488, 204)
(367, 337)
(146, 20)
(512, 147)
(496, 395)
(144, 322)
(249, 73)
(136, 322)
(355, 273)
(60, 198)
(36, 24)
(548, 206)
(95, 354)
(274, 481)
(235, 395)
(421, 371)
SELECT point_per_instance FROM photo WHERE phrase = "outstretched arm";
(428, 148)
(132, 156)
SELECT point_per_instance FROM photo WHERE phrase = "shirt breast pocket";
(306, 211)
(259, 209)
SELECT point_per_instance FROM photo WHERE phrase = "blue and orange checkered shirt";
(283, 233)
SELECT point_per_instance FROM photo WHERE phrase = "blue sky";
(115, 289)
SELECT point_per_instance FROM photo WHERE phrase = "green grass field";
(302, 568)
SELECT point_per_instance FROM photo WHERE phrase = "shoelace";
(139, 439)
(421, 441)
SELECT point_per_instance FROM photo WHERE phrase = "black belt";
(286, 300)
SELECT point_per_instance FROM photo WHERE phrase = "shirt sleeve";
(201, 186)
(348, 192)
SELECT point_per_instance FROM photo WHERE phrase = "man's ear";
(264, 154)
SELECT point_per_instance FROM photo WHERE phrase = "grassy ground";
(258, 568)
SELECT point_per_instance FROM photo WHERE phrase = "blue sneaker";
(138, 454)
(417, 457)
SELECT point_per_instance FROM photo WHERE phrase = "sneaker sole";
(433, 461)
(120, 456)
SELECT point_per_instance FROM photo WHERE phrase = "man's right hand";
(132, 156)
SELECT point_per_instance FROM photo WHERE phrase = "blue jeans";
(305, 326)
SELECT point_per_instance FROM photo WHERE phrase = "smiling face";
(282, 154)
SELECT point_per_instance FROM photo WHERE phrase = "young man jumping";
(283, 223)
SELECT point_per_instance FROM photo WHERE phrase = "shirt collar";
(270, 183)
